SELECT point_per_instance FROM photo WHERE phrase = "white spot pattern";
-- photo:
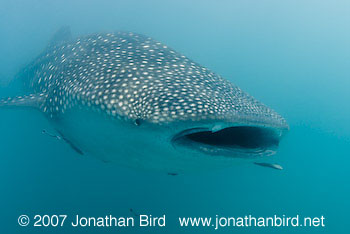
(131, 76)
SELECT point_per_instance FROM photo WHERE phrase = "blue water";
(294, 56)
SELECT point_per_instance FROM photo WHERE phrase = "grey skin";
(129, 99)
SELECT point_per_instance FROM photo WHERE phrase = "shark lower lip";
(236, 141)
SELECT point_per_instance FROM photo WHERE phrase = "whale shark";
(129, 99)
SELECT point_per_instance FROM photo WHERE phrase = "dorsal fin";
(61, 35)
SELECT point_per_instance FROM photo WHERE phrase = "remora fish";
(126, 98)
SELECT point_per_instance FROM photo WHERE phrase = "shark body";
(127, 98)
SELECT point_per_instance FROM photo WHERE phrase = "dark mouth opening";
(243, 137)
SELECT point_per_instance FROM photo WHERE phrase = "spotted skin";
(92, 87)
(131, 76)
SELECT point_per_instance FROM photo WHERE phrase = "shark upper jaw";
(234, 141)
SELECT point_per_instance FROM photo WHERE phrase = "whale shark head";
(215, 118)
(196, 110)
(127, 97)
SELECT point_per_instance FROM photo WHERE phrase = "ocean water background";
(294, 56)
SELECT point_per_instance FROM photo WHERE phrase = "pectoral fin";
(75, 148)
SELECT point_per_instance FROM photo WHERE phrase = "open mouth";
(237, 141)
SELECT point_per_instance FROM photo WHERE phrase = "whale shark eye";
(138, 122)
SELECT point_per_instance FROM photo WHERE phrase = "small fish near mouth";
(270, 165)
